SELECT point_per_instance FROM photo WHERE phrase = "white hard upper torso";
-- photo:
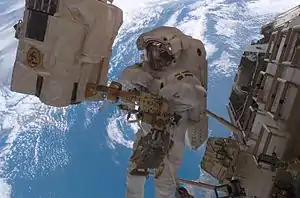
(177, 85)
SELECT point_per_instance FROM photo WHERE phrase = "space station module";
(63, 45)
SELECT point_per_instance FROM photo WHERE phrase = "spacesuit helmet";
(158, 55)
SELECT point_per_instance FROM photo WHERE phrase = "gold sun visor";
(158, 55)
(169, 36)
(58, 55)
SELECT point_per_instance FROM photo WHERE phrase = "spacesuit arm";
(134, 77)
(189, 96)
(187, 93)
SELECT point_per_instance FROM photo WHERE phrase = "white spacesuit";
(174, 66)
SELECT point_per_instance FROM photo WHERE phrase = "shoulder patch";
(181, 75)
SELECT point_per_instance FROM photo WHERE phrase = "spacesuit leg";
(135, 184)
(165, 185)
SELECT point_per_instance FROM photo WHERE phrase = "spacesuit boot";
(165, 184)
(135, 184)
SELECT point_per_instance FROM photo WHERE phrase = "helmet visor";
(158, 55)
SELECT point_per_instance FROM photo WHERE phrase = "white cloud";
(116, 131)
(194, 24)
(10, 6)
(224, 65)
(91, 109)
(174, 18)
(5, 189)
(266, 7)
(23, 119)
(226, 27)
(7, 38)
(131, 7)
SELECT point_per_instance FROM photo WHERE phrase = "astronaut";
(173, 66)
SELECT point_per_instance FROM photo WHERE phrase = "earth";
(81, 151)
